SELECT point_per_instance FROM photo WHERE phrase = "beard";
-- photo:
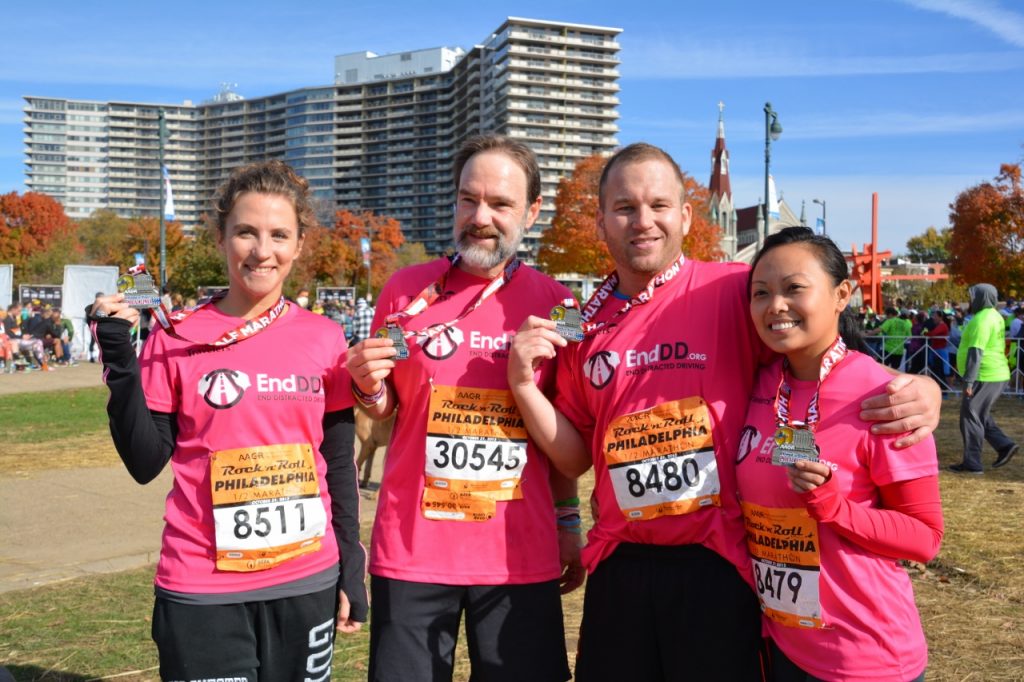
(480, 256)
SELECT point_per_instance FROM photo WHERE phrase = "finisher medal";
(139, 290)
(396, 335)
(567, 323)
(792, 444)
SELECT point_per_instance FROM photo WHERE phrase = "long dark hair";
(832, 261)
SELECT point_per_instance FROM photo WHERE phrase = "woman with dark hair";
(830, 508)
(248, 397)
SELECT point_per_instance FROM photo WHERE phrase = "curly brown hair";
(265, 177)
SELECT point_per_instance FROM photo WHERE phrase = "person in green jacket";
(895, 329)
(981, 361)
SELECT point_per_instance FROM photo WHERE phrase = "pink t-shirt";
(458, 385)
(851, 613)
(249, 424)
(659, 395)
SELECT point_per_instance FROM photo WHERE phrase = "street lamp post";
(162, 137)
(772, 130)
(823, 218)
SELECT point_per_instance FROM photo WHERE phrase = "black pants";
(281, 640)
(514, 632)
(656, 613)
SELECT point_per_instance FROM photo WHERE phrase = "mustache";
(485, 234)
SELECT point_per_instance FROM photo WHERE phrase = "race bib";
(266, 505)
(784, 547)
(662, 461)
(476, 452)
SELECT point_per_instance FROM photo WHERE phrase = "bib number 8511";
(262, 523)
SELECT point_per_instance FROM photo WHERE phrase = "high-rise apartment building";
(379, 138)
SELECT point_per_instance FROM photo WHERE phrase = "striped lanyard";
(433, 290)
(171, 321)
(607, 289)
(784, 395)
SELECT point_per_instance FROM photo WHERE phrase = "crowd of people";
(34, 336)
(739, 491)
(925, 340)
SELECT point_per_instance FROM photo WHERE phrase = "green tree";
(932, 246)
(102, 236)
(200, 264)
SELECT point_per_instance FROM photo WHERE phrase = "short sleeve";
(889, 465)
(160, 381)
(570, 399)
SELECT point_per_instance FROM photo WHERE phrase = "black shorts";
(262, 641)
(514, 632)
(658, 613)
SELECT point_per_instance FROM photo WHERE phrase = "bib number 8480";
(670, 475)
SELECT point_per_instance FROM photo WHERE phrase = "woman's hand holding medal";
(113, 305)
(805, 475)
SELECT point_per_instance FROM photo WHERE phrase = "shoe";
(1005, 457)
(961, 469)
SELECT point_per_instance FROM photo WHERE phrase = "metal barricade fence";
(918, 357)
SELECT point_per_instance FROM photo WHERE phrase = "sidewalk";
(68, 523)
(62, 524)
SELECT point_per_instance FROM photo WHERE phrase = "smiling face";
(260, 243)
(491, 212)
(643, 219)
(795, 306)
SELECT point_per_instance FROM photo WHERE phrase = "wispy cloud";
(1005, 23)
(11, 111)
(863, 124)
(710, 60)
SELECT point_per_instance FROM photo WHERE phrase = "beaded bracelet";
(367, 399)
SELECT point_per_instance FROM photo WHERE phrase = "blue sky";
(914, 99)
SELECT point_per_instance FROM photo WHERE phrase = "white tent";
(6, 285)
(81, 283)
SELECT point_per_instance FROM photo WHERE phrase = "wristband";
(568, 502)
(370, 400)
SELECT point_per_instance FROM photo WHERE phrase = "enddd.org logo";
(223, 388)
(600, 367)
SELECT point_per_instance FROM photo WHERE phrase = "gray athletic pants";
(976, 425)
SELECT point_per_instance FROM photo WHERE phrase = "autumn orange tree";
(571, 243)
(36, 237)
(987, 244)
(331, 256)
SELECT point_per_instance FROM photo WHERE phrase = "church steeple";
(719, 186)
(723, 213)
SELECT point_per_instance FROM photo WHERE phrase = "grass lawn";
(971, 597)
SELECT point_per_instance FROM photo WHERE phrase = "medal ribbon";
(433, 290)
(250, 328)
(784, 396)
(607, 288)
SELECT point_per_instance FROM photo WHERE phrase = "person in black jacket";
(249, 399)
